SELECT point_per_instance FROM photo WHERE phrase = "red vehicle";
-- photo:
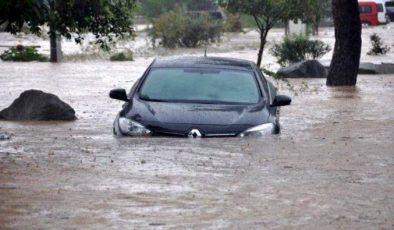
(368, 13)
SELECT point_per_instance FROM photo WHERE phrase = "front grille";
(220, 135)
(215, 135)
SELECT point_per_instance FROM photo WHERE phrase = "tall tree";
(346, 58)
(266, 14)
(106, 19)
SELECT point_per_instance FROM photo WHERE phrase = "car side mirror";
(118, 94)
(281, 100)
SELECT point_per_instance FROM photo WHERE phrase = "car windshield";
(212, 86)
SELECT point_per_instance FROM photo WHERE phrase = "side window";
(265, 83)
(380, 8)
(365, 9)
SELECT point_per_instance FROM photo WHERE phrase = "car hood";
(210, 118)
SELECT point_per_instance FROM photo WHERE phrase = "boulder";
(35, 105)
(372, 68)
(305, 69)
(368, 68)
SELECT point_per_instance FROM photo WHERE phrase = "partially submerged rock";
(305, 69)
(35, 105)
(372, 68)
(368, 68)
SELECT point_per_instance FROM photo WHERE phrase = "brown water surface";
(332, 166)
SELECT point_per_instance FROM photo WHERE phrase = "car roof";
(202, 62)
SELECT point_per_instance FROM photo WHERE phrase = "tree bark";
(56, 49)
(315, 26)
(346, 58)
(263, 41)
(287, 29)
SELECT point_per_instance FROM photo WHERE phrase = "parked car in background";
(200, 97)
(368, 13)
(370, 8)
(382, 12)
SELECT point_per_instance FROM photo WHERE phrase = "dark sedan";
(199, 97)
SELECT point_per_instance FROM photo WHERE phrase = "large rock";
(35, 105)
(372, 68)
(305, 69)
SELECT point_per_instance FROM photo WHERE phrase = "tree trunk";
(263, 41)
(287, 29)
(315, 26)
(346, 58)
(55, 44)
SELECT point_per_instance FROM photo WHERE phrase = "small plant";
(378, 48)
(297, 48)
(285, 83)
(23, 54)
(122, 56)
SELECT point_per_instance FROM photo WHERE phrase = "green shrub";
(169, 28)
(297, 48)
(122, 56)
(176, 29)
(200, 30)
(233, 23)
(378, 48)
(23, 54)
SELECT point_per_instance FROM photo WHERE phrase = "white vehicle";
(382, 11)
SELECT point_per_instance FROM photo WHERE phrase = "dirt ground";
(331, 168)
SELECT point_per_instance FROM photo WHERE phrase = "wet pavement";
(331, 168)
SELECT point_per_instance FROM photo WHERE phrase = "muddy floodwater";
(331, 168)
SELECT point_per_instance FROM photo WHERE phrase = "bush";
(176, 29)
(233, 23)
(297, 48)
(23, 54)
(200, 30)
(378, 48)
(122, 56)
(169, 28)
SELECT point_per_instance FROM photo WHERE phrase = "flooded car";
(200, 97)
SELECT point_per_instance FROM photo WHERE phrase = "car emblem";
(195, 133)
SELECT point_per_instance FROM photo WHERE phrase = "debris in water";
(157, 224)
(4, 136)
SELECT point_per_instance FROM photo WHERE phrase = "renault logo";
(195, 133)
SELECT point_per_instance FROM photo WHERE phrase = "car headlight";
(259, 131)
(132, 128)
